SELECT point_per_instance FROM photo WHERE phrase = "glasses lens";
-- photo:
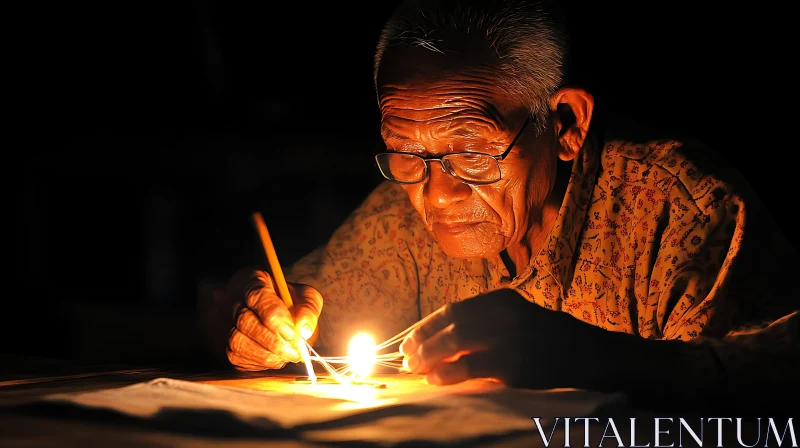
(478, 168)
(405, 168)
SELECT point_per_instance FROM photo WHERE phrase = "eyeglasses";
(472, 168)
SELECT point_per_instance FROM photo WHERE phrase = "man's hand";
(254, 328)
(502, 336)
(499, 335)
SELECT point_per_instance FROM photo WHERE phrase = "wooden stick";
(283, 288)
(274, 265)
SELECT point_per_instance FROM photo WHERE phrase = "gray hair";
(530, 38)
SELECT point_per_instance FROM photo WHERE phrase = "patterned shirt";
(649, 241)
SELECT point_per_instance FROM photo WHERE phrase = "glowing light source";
(361, 355)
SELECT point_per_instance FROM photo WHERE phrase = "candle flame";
(361, 355)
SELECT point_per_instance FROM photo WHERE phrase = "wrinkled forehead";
(458, 80)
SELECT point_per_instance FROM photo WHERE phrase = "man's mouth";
(453, 226)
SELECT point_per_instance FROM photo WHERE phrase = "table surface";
(24, 380)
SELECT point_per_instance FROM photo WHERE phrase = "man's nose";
(443, 190)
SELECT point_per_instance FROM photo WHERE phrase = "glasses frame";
(427, 161)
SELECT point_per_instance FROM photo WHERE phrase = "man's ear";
(573, 113)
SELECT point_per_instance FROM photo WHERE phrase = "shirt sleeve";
(366, 272)
(723, 279)
(691, 279)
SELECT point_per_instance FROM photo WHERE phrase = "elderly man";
(546, 249)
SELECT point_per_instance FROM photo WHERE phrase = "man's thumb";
(308, 307)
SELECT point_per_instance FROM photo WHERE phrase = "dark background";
(154, 130)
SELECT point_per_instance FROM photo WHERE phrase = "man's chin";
(464, 247)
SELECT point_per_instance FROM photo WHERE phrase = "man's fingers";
(432, 324)
(445, 346)
(242, 348)
(449, 373)
(473, 365)
(308, 303)
(272, 312)
(242, 363)
(249, 324)
(263, 281)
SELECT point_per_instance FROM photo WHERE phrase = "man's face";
(432, 108)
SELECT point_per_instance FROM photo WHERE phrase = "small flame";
(361, 355)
